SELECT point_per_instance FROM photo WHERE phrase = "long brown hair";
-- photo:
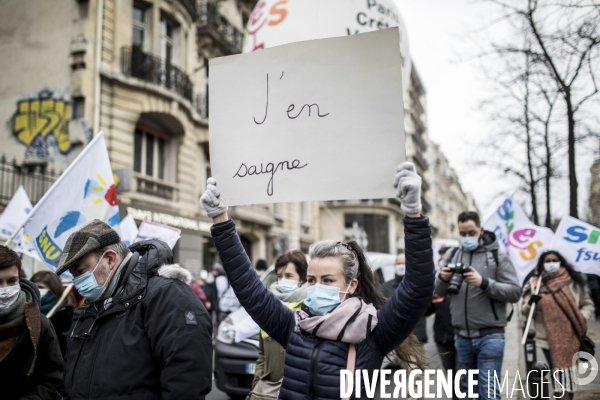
(52, 281)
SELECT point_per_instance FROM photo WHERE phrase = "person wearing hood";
(51, 290)
(30, 359)
(142, 332)
(345, 321)
(479, 300)
(560, 319)
(290, 288)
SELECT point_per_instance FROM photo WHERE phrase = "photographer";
(479, 281)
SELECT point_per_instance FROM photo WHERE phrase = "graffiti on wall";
(42, 122)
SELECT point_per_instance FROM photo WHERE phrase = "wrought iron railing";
(150, 68)
(211, 22)
(202, 105)
(36, 180)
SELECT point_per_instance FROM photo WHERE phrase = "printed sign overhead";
(316, 120)
(579, 244)
(277, 22)
(152, 230)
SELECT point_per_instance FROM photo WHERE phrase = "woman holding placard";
(560, 319)
(345, 322)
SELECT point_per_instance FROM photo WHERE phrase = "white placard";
(315, 120)
(152, 230)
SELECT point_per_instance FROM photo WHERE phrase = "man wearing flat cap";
(142, 332)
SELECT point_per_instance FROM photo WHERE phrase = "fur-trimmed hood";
(175, 271)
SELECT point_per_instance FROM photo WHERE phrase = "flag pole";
(531, 310)
(10, 239)
(60, 178)
(59, 302)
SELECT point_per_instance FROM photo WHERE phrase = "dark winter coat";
(312, 365)
(389, 288)
(61, 322)
(45, 380)
(443, 332)
(151, 341)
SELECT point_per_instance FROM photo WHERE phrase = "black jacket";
(153, 341)
(312, 365)
(388, 289)
(46, 378)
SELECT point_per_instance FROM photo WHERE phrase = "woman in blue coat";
(344, 302)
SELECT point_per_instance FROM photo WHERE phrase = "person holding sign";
(560, 319)
(345, 318)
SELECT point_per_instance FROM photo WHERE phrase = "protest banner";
(316, 120)
(521, 239)
(129, 230)
(85, 191)
(276, 22)
(11, 222)
(152, 230)
(579, 243)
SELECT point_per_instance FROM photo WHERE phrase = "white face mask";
(552, 266)
(400, 269)
(43, 292)
(8, 295)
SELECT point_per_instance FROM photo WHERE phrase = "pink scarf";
(350, 322)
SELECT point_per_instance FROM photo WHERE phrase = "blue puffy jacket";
(312, 365)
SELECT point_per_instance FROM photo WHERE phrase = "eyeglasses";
(85, 334)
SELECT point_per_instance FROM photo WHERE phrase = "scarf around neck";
(565, 325)
(47, 302)
(350, 322)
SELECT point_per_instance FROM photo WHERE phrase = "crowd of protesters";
(136, 326)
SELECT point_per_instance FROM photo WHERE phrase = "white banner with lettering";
(277, 22)
(316, 120)
(522, 240)
(579, 243)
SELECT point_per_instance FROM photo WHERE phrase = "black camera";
(458, 270)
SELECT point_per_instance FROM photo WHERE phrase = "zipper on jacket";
(313, 370)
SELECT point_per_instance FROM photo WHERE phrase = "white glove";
(210, 200)
(408, 188)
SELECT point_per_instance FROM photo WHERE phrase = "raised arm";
(399, 316)
(262, 305)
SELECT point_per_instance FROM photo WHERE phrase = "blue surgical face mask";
(87, 286)
(321, 299)
(286, 285)
(469, 243)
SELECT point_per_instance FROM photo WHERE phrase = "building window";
(149, 153)
(167, 40)
(141, 35)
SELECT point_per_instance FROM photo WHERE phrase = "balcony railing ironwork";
(35, 179)
(210, 21)
(147, 67)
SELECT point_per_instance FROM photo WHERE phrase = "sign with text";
(579, 244)
(152, 230)
(315, 120)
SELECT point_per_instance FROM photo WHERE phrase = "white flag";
(85, 191)
(522, 240)
(129, 230)
(153, 230)
(13, 217)
(15, 214)
(579, 244)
